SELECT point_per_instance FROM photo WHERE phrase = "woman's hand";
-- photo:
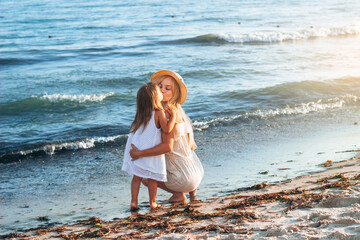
(134, 153)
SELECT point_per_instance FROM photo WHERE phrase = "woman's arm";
(165, 147)
(191, 143)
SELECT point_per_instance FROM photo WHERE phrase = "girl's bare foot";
(155, 206)
(177, 197)
(134, 206)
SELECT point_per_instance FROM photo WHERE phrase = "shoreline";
(319, 205)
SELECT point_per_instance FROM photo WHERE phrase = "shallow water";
(271, 85)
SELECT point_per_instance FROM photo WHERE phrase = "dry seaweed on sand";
(60, 229)
(303, 201)
(13, 235)
(260, 199)
(294, 198)
(254, 187)
(222, 229)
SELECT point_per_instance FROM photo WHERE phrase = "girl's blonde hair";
(147, 101)
(174, 100)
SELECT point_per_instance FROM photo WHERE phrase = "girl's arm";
(165, 147)
(166, 126)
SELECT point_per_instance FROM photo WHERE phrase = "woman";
(184, 170)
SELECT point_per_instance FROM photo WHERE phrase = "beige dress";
(184, 169)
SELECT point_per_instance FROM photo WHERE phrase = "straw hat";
(178, 79)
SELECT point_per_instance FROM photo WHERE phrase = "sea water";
(273, 92)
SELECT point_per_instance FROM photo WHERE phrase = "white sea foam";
(75, 145)
(282, 36)
(304, 108)
(75, 98)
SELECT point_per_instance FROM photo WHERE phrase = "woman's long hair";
(147, 101)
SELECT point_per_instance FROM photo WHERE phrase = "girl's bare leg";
(145, 182)
(152, 187)
(176, 197)
(135, 187)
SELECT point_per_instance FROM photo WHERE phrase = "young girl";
(145, 132)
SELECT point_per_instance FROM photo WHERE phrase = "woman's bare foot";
(177, 197)
(193, 197)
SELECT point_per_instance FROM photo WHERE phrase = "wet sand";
(324, 205)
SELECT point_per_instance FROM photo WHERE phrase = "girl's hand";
(134, 153)
(167, 114)
(170, 112)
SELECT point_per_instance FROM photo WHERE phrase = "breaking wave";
(50, 102)
(74, 98)
(274, 37)
(52, 148)
(297, 109)
(268, 37)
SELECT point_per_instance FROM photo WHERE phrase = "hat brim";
(178, 79)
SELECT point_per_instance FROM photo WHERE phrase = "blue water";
(270, 85)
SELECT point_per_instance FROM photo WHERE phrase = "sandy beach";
(324, 205)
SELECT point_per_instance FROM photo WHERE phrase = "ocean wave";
(268, 37)
(295, 91)
(50, 102)
(305, 108)
(296, 109)
(274, 37)
(33, 59)
(38, 55)
(16, 61)
(52, 148)
(75, 98)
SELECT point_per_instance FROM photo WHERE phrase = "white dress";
(147, 167)
(184, 169)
